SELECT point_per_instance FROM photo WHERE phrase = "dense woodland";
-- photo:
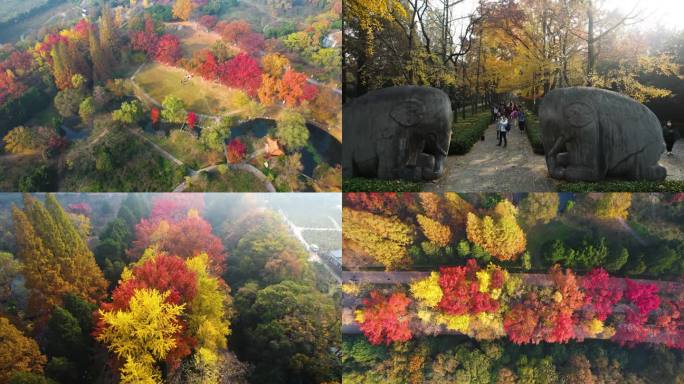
(478, 50)
(162, 288)
(76, 81)
(548, 287)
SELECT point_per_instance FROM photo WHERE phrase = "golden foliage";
(427, 291)
(500, 236)
(437, 233)
(385, 239)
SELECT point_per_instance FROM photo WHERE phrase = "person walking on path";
(671, 135)
(502, 129)
(521, 121)
(513, 117)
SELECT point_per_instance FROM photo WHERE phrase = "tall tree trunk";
(591, 56)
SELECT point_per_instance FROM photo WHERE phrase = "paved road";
(674, 163)
(488, 168)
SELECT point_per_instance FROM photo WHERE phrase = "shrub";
(534, 134)
(465, 133)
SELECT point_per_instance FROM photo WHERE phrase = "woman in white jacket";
(502, 129)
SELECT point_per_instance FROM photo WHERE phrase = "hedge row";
(622, 186)
(534, 133)
(465, 133)
(359, 184)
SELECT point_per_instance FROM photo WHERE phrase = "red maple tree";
(242, 72)
(295, 89)
(208, 69)
(644, 296)
(600, 294)
(386, 318)
(192, 119)
(168, 49)
(235, 151)
(154, 116)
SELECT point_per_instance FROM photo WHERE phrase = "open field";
(231, 181)
(15, 166)
(192, 38)
(199, 95)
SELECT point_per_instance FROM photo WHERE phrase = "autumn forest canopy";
(476, 50)
(146, 288)
(506, 288)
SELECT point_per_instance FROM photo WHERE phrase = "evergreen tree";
(87, 276)
(107, 34)
(101, 67)
(43, 279)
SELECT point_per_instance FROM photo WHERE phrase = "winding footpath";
(489, 168)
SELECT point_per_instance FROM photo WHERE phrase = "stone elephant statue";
(591, 134)
(398, 132)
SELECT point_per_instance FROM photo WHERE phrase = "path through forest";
(488, 168)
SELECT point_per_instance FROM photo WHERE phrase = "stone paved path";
(674, 163)
(488, 168)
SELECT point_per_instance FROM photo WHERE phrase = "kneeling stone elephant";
(590, 134)
(398, 132)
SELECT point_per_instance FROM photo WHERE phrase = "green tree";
(68, 101)
(291, 330)
(291, 129)
(173, 110)
(86, 109)
(214, 135)
(129, 113)
(9, 270)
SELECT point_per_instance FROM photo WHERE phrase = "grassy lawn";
(192, 40)
(199, 95)
(185, 147)
(230, 181)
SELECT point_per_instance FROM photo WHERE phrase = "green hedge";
(359, 184)
(622, 186)
(534, 134)
(465, 133)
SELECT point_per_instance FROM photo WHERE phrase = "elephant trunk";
(437, 170)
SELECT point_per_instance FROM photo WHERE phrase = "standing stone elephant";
(590, 134)
(398, 132)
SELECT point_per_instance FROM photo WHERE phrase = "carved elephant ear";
(579, 114)
(408, 113)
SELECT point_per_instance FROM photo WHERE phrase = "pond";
(325, 144)
(75, 134)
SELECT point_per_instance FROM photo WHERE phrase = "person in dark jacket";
(671, 135)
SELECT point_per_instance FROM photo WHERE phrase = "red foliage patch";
(386, 319)
(168, 49)
(241, 72)
(600, 293)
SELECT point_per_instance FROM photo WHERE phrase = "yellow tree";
(142, 335)
(499, 235)
(275, 64)
(209, 312)
(182, 9)
(18, 353)
(539, 208)
(614, 205)
(385, 239)
(437, 233)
